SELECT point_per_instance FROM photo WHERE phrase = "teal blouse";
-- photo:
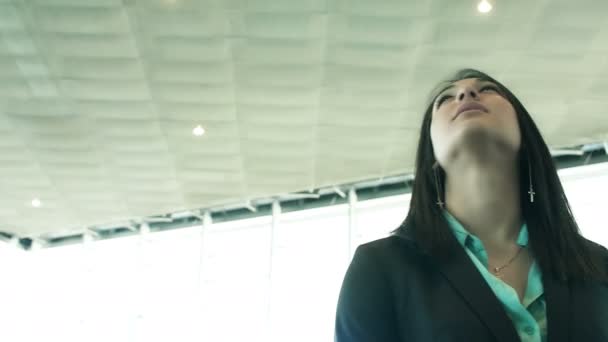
(529, 316)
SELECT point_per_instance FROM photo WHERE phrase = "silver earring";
(531, 191)
(437, 187)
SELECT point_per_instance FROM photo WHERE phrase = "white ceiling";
(98, 98)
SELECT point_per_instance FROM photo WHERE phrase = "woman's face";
(473, 112)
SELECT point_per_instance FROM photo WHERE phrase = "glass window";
(235, 281)
(310, 256)
(377, 218)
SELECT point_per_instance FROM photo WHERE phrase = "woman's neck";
(483, 194)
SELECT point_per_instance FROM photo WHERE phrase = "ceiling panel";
(99, 98)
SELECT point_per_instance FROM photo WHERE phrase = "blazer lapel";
(465, 278)
(558, 299)
(460, 271)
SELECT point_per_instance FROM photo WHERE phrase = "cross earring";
(531, 191)
(437, 187)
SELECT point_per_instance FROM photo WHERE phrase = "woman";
(489, 250)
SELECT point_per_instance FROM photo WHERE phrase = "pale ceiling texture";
(98, 98)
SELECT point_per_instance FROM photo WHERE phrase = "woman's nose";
(467, 92)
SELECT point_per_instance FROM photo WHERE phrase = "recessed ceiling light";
(198, 131)
(36, 203)
(484, 6)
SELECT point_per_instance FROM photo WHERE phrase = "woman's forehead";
(472, 80)
(464, 81)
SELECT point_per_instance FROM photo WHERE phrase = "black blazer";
(395, 292)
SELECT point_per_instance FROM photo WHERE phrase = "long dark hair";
(558, 247)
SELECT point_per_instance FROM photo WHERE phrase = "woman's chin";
(479, 139)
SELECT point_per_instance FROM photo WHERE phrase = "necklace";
(496, 270)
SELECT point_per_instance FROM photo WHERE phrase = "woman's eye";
(442, 99)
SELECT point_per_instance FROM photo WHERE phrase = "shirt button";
(529, 330)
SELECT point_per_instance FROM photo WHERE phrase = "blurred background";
(203, 170)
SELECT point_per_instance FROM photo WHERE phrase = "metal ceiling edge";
(582, 155)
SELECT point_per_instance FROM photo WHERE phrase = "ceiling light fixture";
(36, 203)
(484, 6)
(198, 131)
